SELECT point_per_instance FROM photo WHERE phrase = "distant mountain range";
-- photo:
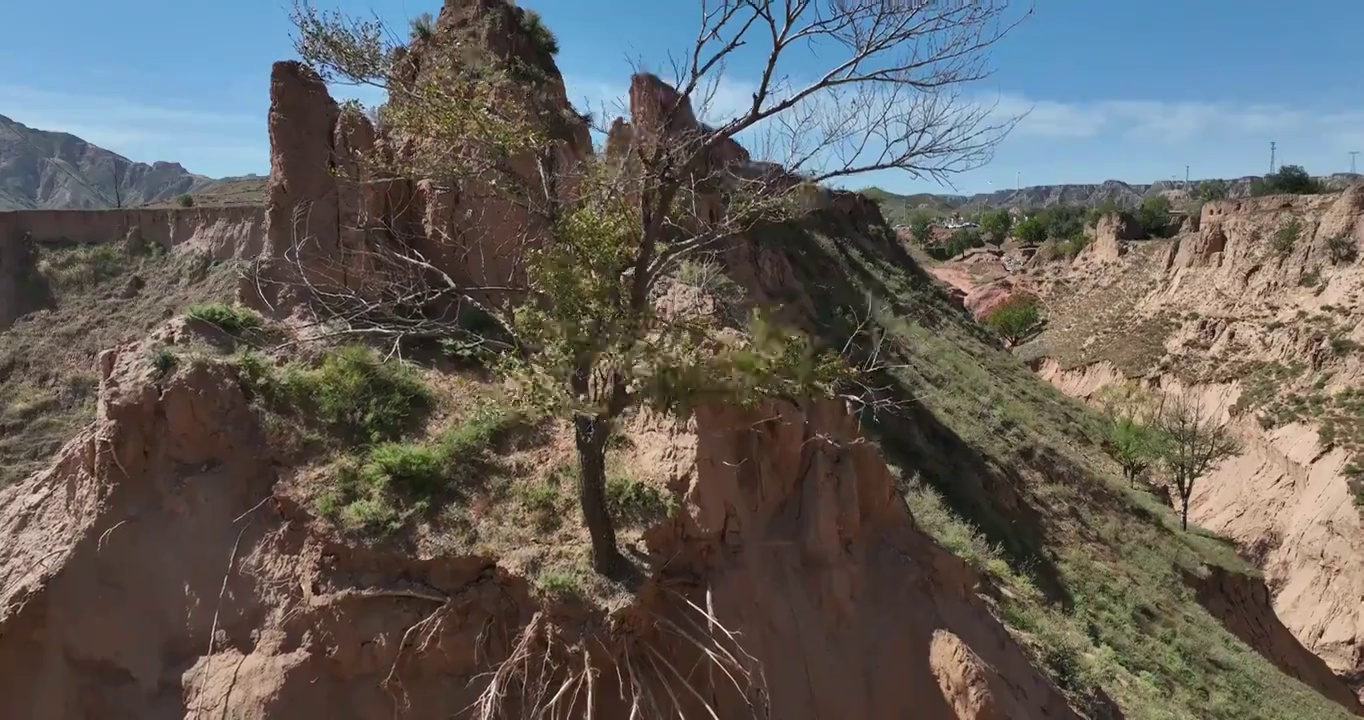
(56, 170)
(1127, 195)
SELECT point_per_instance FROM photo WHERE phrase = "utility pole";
(1271, 157)
(1186, 177)
(1353, 153)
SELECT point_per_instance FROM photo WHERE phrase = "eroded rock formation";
(222, 233)
(156, 571)
(1263, 285)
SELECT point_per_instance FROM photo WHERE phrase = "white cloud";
(1170, 122)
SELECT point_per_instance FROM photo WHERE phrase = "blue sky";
(1126, 90)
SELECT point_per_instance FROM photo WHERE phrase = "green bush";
(1287, 180)
(469, 444)
(163, 359)
(393, 481)
(1285, 238)
(1154, 216)
(559, 584)
(1015, 318)
(1211, 190)
(963, 240)
(234, 320)
(185, 201)
(921, 227)
(359, 396)
(1031, 231)
(996, 225)
(541, 35)
(422, 26)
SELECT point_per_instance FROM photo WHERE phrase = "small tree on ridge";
(576, 324)
(1190, 445)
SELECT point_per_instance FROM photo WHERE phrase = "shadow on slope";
(1008, 473)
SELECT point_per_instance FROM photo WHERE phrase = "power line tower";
(1272, 146)
(1353, 154)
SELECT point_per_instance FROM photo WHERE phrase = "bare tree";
(835, 88)
(1190, 445)
(117, 183)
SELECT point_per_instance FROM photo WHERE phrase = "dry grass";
(47, 359)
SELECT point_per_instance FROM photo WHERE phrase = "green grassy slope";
(1008, 473)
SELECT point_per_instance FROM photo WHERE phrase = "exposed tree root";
(549, 677)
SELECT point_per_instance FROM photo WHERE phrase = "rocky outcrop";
(336, 198)
(852, 612)
(1110, 236)
(1243, 605)
(152, 572)
(156, 570)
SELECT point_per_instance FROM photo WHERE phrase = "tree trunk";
(590, 437)
(1184, 511)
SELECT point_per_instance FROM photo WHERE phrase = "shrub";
(416, 471)
(422, 26)
(185, 201)
(1343, 345)
(709, 275)
(82, 264)
(469, 444)
(1211, 190)
(963, 240)
(359, 396)
(1108, 207)
(541, 35)
(234, 320)
(1135, 445)
(1031, 231)
(1063, 221)
(1342, 249)
(921, 227)
(560, 584)
(634, 502)
(1289, 179)
(1285, 238)
(162, 359)
(1311, 278)
(394, 481)
(1015, 318)
(1154, 216)
(538, 497)
(996, 225)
